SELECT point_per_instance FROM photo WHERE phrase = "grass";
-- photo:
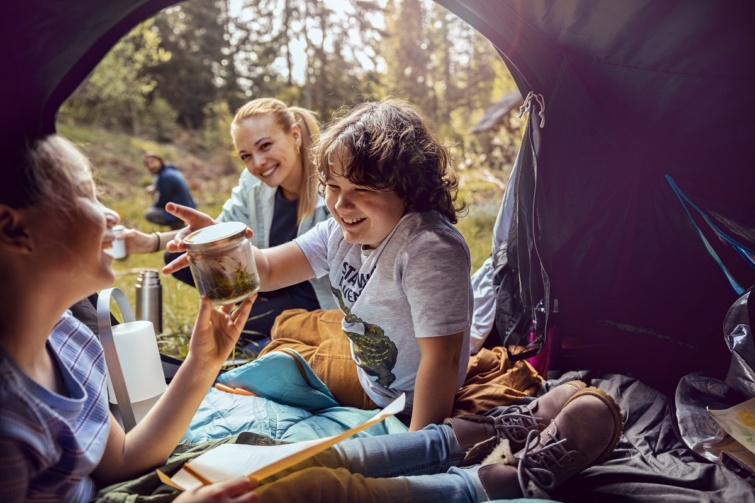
(477, 229)
(122, 180)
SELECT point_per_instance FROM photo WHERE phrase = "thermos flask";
(149, 299)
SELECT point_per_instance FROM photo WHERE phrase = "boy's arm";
(277, 267)
(435, 386)
(282, 266)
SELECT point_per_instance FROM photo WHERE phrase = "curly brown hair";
(388, 145)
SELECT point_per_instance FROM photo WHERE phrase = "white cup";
(118, 251)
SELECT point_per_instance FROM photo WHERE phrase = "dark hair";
(40, 171)
(287, 117)
(153, 155)
(388, 145)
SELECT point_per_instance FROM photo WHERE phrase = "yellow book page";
(230, 461)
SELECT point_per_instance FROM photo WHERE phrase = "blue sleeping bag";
(292, 404)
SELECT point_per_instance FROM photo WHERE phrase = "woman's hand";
(217, 330)
(138, 242)
(230, 491)
(194, 220)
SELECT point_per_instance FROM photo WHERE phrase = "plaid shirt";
(49, 443)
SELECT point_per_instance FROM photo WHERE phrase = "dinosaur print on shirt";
(373, 351)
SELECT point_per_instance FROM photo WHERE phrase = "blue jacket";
(172, 188)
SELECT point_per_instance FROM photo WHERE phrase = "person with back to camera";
(399, 269)
(276, 196)
(57, 438)
(171, 187)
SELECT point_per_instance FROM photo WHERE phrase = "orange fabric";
(493, 380)
(317, 336)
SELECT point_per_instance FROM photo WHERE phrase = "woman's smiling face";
(270, 153)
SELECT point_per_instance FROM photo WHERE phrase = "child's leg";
(433, 449)
(327, 485)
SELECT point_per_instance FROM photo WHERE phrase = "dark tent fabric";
(633, 91)
(49, 47)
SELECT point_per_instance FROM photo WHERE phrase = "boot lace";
(536, 464)
(516, 423)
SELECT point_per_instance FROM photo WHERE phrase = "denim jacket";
(252, 203)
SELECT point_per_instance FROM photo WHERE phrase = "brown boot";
(507, 432)
(585, 432)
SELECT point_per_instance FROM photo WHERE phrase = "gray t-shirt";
(415, 284)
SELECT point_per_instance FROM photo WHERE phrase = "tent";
(637, 97)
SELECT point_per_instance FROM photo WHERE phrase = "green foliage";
(216, 137)
(407, 47)
(194, 33)
(160, 122)
(183, 72)
(116, 94)
(477, 231)
(256, 42)
(174, 82)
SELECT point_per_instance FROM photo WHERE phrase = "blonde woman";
(276, 196)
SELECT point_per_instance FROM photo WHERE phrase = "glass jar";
(222, 263)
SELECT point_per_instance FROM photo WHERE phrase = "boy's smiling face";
(366, 215)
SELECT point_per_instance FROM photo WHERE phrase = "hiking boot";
(585, 432)
(507, 432)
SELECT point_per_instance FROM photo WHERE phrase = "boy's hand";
(196, 220)
(231, 491)
(217, 330)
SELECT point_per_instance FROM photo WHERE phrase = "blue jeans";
(419, 466)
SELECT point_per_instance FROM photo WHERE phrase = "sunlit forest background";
(173, 83)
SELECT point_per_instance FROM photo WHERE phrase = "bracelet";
(157, 247)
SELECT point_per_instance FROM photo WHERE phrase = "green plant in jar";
(222, 262)
(226, 280)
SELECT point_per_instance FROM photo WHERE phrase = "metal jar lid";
(215, 236)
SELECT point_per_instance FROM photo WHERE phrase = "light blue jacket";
(252, 202)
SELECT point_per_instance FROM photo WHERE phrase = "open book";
(737, 451)
(739, 422)
(231, 461)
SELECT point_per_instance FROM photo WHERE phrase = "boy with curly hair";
(399, 269)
